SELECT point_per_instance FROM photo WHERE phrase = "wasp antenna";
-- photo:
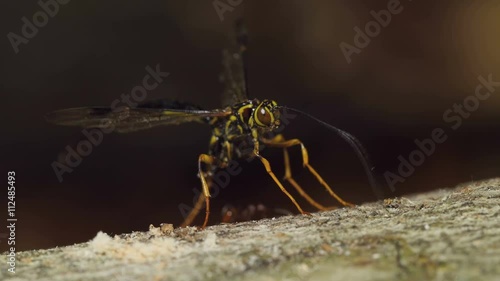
(355, 144)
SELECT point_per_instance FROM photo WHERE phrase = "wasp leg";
(209, 160)
(276, 142)
(194, 212)
(273, 176)
(205, 196)
(288, 177)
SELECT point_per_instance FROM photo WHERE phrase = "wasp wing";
(127, 119)
(234, 68)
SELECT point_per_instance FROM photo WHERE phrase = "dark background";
(395, 91)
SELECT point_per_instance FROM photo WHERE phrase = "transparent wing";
(126, 119)
(234, 72)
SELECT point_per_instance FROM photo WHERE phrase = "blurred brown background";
(393, 92)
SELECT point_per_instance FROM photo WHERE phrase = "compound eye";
(264, 117)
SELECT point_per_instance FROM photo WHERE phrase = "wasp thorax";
(267, 114)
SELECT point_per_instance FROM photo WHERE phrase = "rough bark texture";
(451, 234)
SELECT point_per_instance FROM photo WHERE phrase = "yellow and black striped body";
(233, 135)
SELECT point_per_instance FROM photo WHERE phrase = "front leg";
(281, 142)
(288, 175)
(267, 166)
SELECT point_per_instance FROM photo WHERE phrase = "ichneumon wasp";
(238, 129)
